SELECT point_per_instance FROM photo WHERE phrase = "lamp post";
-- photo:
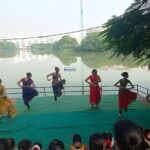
(82, 36)
(81, 18)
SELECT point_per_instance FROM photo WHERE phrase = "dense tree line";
(7, 49)
(130, 33)
(92, 42)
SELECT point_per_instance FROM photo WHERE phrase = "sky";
(25, 18)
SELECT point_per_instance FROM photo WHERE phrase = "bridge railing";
(75, 90)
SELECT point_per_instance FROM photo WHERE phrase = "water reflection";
(24, 56)
(12, 69)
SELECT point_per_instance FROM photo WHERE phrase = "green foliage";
(66, 42)
(92, 42)
(7, 49)
(41, 48)
(66, 56)
(130, 33)
(105, 59)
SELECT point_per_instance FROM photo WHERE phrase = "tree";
(130, 32)
(7, 49)
(41, 48)
(92, 42)
(66, 42)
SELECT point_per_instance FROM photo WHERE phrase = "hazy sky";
(23, 18)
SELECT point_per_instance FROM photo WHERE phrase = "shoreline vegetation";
(93, 51)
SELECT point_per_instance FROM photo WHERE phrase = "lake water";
(13, 69)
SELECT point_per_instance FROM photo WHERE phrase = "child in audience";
(11, 143)
(109, 141)
(56, 144)
(25, 145)
(37, 146)
(77, 143)
(4, 144)
(97, 142)
(147, 137)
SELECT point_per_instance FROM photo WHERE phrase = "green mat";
(60, 119)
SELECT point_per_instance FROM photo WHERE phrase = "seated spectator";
(11, 143)
(37, 146)
(77, 143)
(128, 135)
(97, 142)
(147, 137)
(25, 145)
(56, 144)
(4, 144)
(108, 140)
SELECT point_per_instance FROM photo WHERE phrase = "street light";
(81, 19)
(82, 36)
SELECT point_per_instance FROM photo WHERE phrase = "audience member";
(77, 143)
(11, 143)
(97, 142)
(128, 135)
(109, 141)
(4, 144)
(56, 144)
(37, 146)
(147, 137)
(25, 145)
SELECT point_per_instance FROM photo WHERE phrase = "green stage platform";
(60, 119)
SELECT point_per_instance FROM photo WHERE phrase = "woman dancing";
(125, 95)
(56, 80)
(6, 105)
(28, 89)
(95, 90)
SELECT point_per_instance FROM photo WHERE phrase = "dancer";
(28, 89)
(125, 95)
(148, 97)
(6, 105)
(57, 85)
(95, 90)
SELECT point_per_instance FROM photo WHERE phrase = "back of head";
(11, 143)
(56, 144)
(147, 134)
(124, 74)
(29, 74)
(4, 144)
(24, 144)
(128, 135)
(96, 142)
(37, 146)
(94, 71)
(108, 139)
(76, 138)
(57, 69)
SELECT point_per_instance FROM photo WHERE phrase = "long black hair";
(128, 135)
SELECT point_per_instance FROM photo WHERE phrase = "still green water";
(73, 68)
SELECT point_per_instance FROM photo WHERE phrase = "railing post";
(82, 90)
(147, 91)
(64, 91)
(44, 92)
(137, 89)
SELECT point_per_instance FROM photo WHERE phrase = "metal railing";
(75, 90)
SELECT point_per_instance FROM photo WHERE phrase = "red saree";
(95, 91)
